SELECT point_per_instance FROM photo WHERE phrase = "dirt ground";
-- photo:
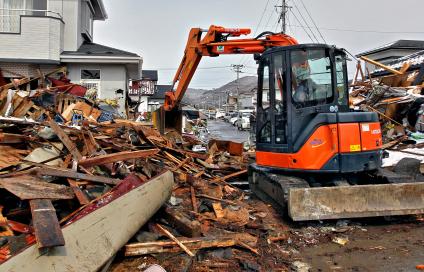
(384, 246)
(378, 244)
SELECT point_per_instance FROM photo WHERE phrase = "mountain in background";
(214, 97)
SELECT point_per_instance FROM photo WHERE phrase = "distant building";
(42, 35)
(158, 99)
(141, 89)
(391, 52)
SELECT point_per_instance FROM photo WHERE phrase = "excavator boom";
(217, 41)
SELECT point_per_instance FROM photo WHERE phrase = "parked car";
(219, 115)
(230, 115)
(233, 120)
(243, 119)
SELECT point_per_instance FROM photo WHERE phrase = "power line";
(366, 31)
(262, 17)
(313, 21)
(199, 68)
(307, 33)
(243, 59)
(306, 23)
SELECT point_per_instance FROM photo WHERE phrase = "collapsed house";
(395, 92)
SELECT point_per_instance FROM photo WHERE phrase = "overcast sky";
(158, 30)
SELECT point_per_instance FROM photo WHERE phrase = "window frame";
(313, 103)
(100, 74)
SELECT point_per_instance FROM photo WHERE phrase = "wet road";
(225, 131)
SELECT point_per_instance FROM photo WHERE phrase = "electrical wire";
(313, 21)
(243, 59)
(306, 23)
(366, 31)
(199, 68)
(307, 33)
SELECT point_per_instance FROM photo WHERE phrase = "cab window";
(341, 72)
(264, 118)
(311, 77)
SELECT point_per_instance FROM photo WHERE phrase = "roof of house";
(160, 91)
(149, 75)
(99, 10)
(94, 49)
(400, 44)
(415, 59)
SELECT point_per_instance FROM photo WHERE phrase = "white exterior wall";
(144, 102)
(113, 77)
(40, 38)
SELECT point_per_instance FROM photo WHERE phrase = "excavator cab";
(303, 118)
(316, 158)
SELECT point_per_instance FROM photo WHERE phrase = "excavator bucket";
(164, 120)
(355, 201)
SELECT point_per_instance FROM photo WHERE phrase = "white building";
(46, 34)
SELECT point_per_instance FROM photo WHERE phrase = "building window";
(90, 74)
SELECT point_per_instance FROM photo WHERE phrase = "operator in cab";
(303, 85)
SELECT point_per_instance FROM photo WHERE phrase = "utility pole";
(283, 15)
(238, 69)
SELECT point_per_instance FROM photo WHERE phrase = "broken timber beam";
(65, 140)
(385, 67)
(58, 172)
(114, 157)
(46, 225)
(138, 249)
(173, 238)
(183, 224)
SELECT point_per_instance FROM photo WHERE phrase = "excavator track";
(294, 197)
(273, 188)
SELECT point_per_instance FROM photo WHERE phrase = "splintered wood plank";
(30, 187)
(82, 198)
(385, 67)
(184, 225)
(217, 208)
(173, 238)
(46, 225)
(65, 140)
(8, 138)
(114, 157)
(66, 173)
(138, 249)
(6, 231)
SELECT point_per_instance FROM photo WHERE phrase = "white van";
(243, 119)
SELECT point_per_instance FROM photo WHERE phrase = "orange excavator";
(315, 158)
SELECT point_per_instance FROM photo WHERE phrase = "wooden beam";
(231, 175)
(65, 140)
(138, 249)
(385, 67)
(46, 225)
(114, 157)
(30, 187)
(65, 173)
(193, 199)
(183, 224)
(173, 238)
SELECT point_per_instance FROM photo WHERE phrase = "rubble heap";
(397, 97)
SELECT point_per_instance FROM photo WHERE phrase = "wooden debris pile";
(397, 96)
(42, 96)
(51, 172)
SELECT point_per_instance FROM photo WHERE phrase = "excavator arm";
(217, 42)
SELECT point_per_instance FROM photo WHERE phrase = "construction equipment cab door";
(272, 127)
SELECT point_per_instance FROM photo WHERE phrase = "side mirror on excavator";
(257, 57)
